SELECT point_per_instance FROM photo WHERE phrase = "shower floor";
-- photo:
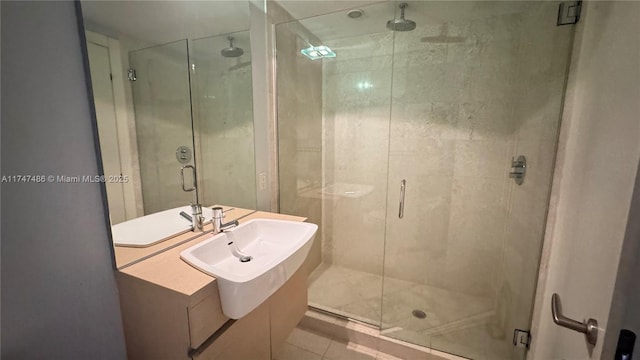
(450, 315)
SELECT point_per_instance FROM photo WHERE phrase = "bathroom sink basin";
(252, 261)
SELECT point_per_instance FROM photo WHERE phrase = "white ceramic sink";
(153, 228)
(277, 249)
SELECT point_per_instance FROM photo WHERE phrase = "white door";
(593, 186)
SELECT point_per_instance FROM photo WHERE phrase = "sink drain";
(419, 314)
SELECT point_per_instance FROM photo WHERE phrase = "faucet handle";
(218, 213)
(197, 220)
(196, 209)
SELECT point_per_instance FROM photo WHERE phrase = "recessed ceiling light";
(355, 13)
(318, 52)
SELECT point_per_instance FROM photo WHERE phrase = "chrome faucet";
(197, 220)
(218, 226)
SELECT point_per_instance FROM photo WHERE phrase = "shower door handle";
(403, 187)
(589, 328)
(193, 170)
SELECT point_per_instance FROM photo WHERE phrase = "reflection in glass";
(163, 123)
(223, 119)
(153, 112)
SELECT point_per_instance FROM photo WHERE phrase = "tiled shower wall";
(449, 136)
(466, 97)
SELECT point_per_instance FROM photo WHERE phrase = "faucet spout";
(197, 220)
(218, 225)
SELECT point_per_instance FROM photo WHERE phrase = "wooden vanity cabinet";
(164, 324)
(172, 311)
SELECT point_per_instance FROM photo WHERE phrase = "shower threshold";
(336, 314)
(360, 333)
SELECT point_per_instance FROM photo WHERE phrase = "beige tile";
(350, 292)
(483, 158)
(402, 351)
(476, 234)
(321, 323)
(358, 232)
(425, 121)
(309, 340)
(411, 155)
(349, 351)
(383, 356)
(416, 245)
(363, 46)
(291, 352)
(474, 342)
(437, 82)
(366, 310)
(488, 120)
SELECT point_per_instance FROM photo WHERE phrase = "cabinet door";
(246, 339)
(205, 318)
(287, 307)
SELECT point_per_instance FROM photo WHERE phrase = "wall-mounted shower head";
(401, 24)
(231, 51)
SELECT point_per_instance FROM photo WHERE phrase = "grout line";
(328, 346)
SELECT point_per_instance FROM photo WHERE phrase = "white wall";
(59, 295)
(595, 174)
(263, 105)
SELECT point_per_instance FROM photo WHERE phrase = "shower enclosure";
(195, 94)
(402, 149)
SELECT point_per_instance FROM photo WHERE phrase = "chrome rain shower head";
(401, 24)
(231, 51)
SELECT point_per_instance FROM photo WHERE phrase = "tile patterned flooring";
(305, 344)
(457, 323)
(359, 295)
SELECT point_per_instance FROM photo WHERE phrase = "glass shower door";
(163, 124)
(333, 135)
(475, 84)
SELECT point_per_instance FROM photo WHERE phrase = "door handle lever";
(589, 328)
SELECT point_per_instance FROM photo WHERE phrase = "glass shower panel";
(333, 153)
(163, 123)
(475, 84)
(223, 120)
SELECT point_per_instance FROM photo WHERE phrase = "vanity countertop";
(126, 255)
(169, 271)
